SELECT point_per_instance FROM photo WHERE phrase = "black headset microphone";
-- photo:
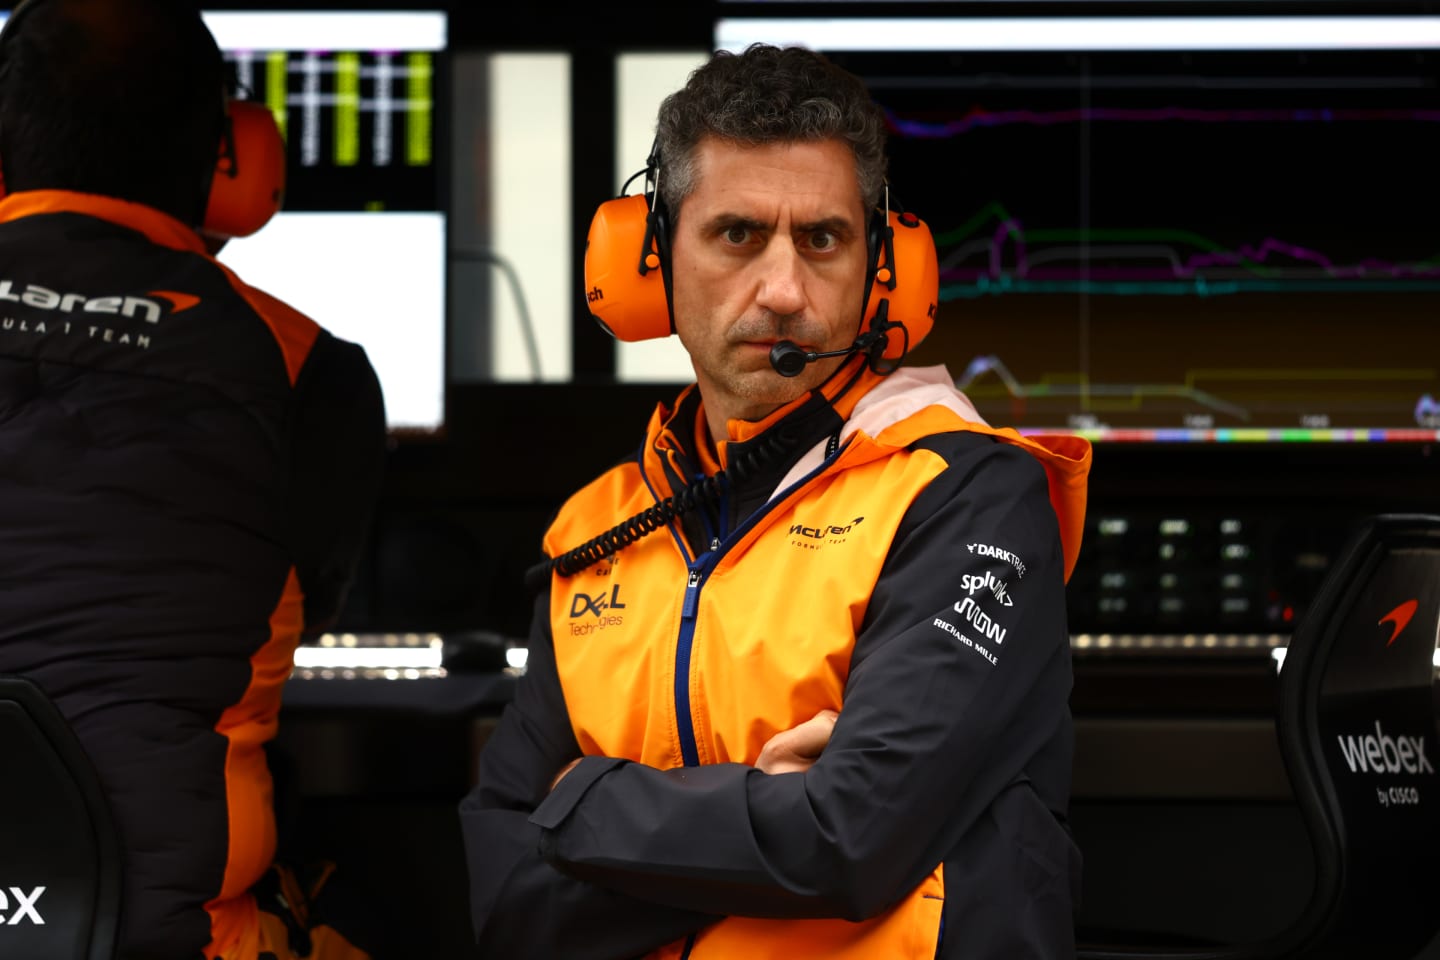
(788, 358)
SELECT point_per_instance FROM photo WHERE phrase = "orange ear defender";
(626, 289)
(906, 290)
(625, 285)
(249, 183)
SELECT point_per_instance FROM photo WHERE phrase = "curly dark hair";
(768, 94)
(123, 98)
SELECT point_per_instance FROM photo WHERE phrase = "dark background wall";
(1181, 802)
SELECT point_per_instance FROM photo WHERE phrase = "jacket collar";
(157, 226)
(809, 417)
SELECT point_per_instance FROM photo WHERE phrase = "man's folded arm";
(521, 906)
(937, 720)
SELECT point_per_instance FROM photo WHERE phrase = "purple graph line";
(1366, 268)
(997, 241)
(1037, 118)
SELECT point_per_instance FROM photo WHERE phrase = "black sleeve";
(521, 906)
(939, 716)
(337, 464)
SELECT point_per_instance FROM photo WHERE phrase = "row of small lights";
(414, 656)
(1179, 641)
(385, 656)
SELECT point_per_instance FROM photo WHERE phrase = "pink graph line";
(1367, 267)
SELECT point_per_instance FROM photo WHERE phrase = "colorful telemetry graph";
(1179, 162)
(995, 253)
(346, 109)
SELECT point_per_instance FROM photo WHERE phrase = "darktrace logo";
(23, 907)
(602, 606)
(1399, 618)
(813, 538)
(998, 553)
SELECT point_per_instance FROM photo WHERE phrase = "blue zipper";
(685, 724)
(699, 572)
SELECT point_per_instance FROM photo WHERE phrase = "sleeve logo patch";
(998, 553)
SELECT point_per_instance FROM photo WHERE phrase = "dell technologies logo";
(604, 607)
(24, 907)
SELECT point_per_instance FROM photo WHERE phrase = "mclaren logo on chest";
(814, 537)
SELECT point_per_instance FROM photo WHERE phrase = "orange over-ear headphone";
(248, 187)
(627, 284)
(249, 183)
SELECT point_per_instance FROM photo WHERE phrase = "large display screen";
(360, 245)
(1169, 228)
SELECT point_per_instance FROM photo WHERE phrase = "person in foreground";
(188, 467)
(799, 673)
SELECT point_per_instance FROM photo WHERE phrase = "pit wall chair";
(1356, 721)
(60, 861)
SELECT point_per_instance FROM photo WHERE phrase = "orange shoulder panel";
(294, 331)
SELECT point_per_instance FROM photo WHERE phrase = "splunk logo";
(1381, 753)
(974, 583)
(147, 308)
(24, 908)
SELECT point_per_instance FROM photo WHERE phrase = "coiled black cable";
(706, 491)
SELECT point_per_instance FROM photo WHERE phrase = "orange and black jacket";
(872, 548)
(187, 472)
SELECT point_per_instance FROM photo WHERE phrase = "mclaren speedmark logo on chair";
(20, 907)
(1399, 619)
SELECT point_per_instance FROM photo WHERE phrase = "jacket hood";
(916, 402)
